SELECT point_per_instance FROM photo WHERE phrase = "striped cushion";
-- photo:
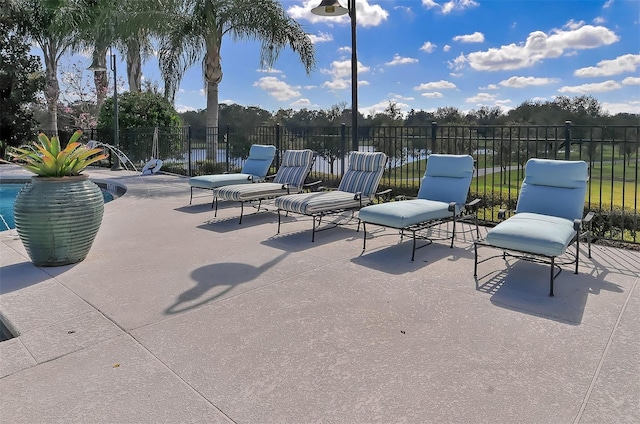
(295, 167)
(246, 192)
(364, 173)
(324, 201)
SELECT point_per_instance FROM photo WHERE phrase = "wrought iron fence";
(501, 152)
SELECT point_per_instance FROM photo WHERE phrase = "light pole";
(96, 67)
(333, 8)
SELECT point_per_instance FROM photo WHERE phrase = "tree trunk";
(213, 76)
(52, 89)
(134, 66)
(100, 77)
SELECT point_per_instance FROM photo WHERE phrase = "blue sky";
(425, 54)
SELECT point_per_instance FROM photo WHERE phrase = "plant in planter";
(59, 213)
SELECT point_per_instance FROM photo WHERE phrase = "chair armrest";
(357, 196)
(314, 186)
(452, 207)
(385, 195)
(502, 214)
(474, 204)
(589, 217)
(270, 177)
(577, 224)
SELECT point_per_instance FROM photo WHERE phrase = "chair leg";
(413, 252)
(551, 283)
(215, 206)
(364, 230)
(577, 251)
(475, 259)
(191, 197)
(313, 231)
(453, 233)
(278, 221)
(241, 212)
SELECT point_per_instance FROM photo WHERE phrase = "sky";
(426, 54)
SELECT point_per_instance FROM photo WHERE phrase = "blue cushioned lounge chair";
(254, 170)
(293, 171)
(357, 189)
(442, 197)
(548, 219)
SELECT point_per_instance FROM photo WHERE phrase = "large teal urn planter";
(57, 218)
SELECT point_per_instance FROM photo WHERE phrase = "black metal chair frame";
(574, 257)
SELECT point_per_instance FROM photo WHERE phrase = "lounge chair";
(357, 189)
(254, 170)
(549, 217)
(290, 178)
(442, 198)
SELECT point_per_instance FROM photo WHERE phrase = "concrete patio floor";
(176, 316)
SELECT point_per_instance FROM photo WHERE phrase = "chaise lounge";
(357, 189)
(441, 199)
(254, 170)
(290, 178)
(548, 217)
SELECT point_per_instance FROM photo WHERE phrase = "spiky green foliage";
(46, 158)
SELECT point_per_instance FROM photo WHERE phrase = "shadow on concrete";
(19, 276)
(219, 279)
(524, 287)
(396, 259)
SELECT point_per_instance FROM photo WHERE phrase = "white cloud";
(185, 108)
(631, 81)
(278, 89)
(399, 60)
(436, 85)
(599, 87)
(342, 69)
(322, 37)
(540, 46)
(446, 48)
(573, 24)
(607, 4)
(303, 103)
(624, 107)
(428, 47)
(380, 107)
(489, 87)
(368, 15)
(522, 82)
(270, 71)
(605, 68)
(401, 97)
(450, 6)
(481, 98)
(476, 37)
(457, 63)
(433, 95)
(599, 20)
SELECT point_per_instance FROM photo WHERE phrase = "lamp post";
(333, 8)
(116, 130)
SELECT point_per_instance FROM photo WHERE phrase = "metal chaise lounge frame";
(442, 198)
(289, 179)
(548, 219)
(357, 189)
(254, 170)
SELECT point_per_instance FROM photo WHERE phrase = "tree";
(139, 113)
(50, 24)
(197, 31)
(21, 79)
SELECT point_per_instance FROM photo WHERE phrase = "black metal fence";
(501, 152)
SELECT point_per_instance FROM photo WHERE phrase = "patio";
(177, 316)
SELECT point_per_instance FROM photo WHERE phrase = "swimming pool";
(8, 194)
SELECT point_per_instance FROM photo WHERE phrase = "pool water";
(8, 194)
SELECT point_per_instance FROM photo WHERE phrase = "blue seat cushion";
(323, 201)
(405, 213)
(219, 180)
(534, 233)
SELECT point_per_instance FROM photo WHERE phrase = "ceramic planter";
(57, 219)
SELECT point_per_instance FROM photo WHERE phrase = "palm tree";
(197, 31)
(49, 24)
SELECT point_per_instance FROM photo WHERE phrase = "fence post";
(434, 133)
(189, 167)
(227, 141)
(343, 146)
(278, 146)
(567, 139)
